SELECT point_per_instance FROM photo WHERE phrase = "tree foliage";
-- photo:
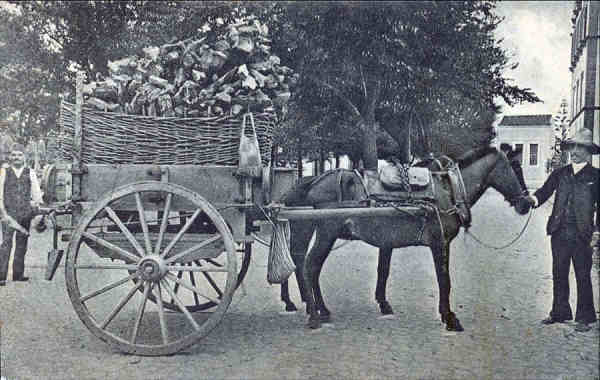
(428, 70)
(434, 66)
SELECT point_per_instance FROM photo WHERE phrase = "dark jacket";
(585, 189)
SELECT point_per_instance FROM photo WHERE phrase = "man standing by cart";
(572, 229)
(20, 195)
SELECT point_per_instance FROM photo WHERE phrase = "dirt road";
(500, 297)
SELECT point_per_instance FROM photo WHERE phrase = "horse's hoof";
(314, 323)
(385, 308)
(454, 325)
(290, 307)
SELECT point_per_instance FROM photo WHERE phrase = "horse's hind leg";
(285, 297)
(441, 259)
(383, 272)
(312, 268)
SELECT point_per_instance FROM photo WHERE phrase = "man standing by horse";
(572, 229)
(20, 195)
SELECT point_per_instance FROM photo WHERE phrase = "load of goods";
(182, 102)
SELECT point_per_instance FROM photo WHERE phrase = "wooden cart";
(155, 250)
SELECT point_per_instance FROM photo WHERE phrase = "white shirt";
(578, 167)
(36, 192)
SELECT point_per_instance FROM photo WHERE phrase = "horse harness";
(418, 204)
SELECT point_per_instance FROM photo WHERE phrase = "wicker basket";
(113, 138)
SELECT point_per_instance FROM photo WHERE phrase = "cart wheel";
(105, 270)
(192, 302)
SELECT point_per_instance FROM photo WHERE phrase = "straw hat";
(583, 137)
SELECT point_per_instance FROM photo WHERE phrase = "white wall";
(534, 175)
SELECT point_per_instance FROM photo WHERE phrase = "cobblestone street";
(500, 297)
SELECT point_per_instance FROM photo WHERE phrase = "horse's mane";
(473, 155)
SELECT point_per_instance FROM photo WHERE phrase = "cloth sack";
(250, 163)
(280, 264)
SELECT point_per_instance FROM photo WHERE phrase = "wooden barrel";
(56, 183)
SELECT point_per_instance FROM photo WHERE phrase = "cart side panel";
(217, 184)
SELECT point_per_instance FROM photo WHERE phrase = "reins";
(467, 232)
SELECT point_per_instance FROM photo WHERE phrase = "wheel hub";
(152, 268)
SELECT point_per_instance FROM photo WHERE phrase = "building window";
(533, 154)
(519, 148)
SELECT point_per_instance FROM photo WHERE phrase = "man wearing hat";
(573, 229)
(20, 195)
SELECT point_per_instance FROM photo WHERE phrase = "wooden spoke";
(182, 307)
(108, 287)
(106, 266)
(163, 224)
(127, 256)
(181, 233)
(118, 308)
(164, 332)
(192, 288)
(176, 287)
(213, 284)
(208, 276)
(193, 281)
(138, 320)
(213, 262)
(183, 268)
(144, 224)
(192, 249)
(125, 231)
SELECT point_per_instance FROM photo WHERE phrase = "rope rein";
(467, 232)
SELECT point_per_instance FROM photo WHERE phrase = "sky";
(537, 36)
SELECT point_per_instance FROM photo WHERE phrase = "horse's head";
(505, 179)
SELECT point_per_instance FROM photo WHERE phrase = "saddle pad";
(418, 176)
(395, 177)
(377, 190)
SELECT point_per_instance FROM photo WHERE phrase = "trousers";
(20, 249)
(567, 247)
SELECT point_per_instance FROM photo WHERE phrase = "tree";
(42, 43)
(560, 122)
(404, 64)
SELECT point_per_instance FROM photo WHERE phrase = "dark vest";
(17, 193)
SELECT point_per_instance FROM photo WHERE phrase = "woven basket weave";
(112, 138)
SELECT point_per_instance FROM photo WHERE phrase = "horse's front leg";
(383, 272)
(312, 268)
(441, 258)
(285, 297)
(285, 294)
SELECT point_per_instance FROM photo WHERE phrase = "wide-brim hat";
(584, 138)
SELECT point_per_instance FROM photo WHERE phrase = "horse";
(480, 168)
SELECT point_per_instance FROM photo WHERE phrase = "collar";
(578, 167)
(19, 171)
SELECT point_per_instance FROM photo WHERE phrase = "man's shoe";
(21, 279)
(2, 283)
(552, 320)
(583, 327)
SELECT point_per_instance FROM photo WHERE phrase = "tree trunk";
(300, 167)
(369, 145)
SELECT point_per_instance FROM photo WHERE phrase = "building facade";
(534, 135)
(585, 68)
